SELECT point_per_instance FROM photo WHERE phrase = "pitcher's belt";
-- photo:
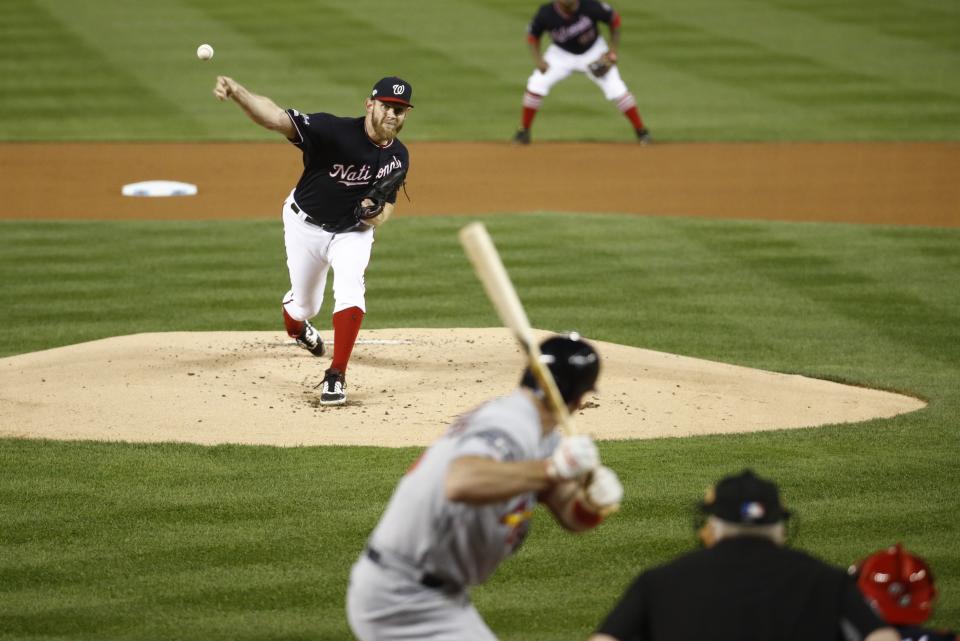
(307, 217)
(426, 579)
(327, 227)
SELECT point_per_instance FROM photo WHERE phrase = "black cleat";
(522, 137)
(333, 390)
(644, 137)
(309, 339)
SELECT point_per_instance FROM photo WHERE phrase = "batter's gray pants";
(382, 605)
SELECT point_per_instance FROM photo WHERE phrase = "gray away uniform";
(411, 581)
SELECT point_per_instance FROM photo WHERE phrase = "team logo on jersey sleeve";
(304, 117)
(517, 519)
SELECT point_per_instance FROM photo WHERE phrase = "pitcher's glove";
(599, 67)
(371, 205)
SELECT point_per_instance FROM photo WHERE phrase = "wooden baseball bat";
(491, 272)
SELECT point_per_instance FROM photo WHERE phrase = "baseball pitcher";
(352, 169)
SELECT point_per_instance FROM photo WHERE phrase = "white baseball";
(204, 52)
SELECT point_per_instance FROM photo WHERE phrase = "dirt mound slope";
(404, 387)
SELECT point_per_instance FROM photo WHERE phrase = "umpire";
(744, 585)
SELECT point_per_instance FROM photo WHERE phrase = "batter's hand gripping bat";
(486, 262)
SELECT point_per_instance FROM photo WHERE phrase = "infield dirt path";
(892, 183)
(257, 387)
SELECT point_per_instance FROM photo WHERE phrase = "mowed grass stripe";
(747, 71)
(442, 65)
(932, 23)
(814, 275)
(798, 79)
(154, 45)
(170, 541)
(61, 80)
(854, 37)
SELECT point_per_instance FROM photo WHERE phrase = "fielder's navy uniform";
(574, 32)
(576, 46)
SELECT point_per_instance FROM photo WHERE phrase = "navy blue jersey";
(574, 32)
(340, 164)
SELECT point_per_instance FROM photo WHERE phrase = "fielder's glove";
(372, 203)
(575, 456)
(604, 492)
(599, 67)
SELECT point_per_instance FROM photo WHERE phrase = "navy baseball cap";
(393, 89)
(745, 498)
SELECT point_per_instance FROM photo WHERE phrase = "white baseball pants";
(311, 253)
(563, 63)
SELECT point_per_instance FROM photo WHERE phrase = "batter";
(343, 158)
(466, 505)
(577, 46)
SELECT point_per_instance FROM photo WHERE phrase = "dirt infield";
(891, 183)
(259, 388)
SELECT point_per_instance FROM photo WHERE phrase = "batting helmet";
(898, 584)
(572, 361)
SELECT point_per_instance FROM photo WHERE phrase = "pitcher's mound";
(403, 387)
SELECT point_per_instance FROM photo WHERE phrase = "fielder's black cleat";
(644, 137)
(522, 137)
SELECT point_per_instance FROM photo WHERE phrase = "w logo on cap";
(393, 89)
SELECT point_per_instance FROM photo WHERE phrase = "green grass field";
(141, 542)
(161, 541)
(741, 70)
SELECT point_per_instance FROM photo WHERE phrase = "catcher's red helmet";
(898, 584)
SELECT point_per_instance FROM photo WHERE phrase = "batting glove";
(605, 489)
(574, 457)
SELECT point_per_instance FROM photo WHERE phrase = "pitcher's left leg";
(349, 256)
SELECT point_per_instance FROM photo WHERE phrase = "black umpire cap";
(393, 89)
(745, 498)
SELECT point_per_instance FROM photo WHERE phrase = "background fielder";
(325, 223)
(466, 505)
(577, 46)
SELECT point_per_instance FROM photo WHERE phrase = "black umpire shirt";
(742, 589)
(340, 164)
(916, 633)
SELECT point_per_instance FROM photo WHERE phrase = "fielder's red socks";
(346, 326)
(531, 103)
(628, 105)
